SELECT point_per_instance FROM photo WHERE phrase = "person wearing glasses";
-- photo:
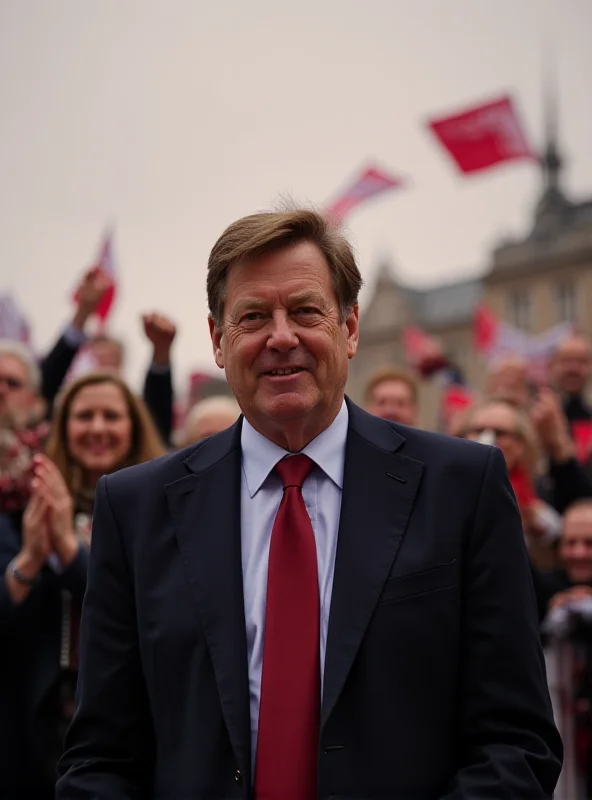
(539, 454)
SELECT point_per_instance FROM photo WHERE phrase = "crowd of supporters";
(59, 433)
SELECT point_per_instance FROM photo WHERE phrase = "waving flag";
(484, 136)
(370, 183)
(105, 263)
(495, 338)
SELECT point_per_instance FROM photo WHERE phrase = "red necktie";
(289, 710)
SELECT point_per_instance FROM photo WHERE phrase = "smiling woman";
(100, 426)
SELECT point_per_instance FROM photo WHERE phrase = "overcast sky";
(171, 118)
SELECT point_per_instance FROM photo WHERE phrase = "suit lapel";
(205, 508)
(379, 489)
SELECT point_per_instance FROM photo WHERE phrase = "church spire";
(552, 161)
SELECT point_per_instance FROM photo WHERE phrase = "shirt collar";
(327, 450)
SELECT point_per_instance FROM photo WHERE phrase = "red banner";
(370, 183)
(582, 435)
(483, 136)
(105, 263)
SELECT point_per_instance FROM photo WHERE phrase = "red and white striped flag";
(496, 339)
(370, 183)
(105, 263)
(483, 136)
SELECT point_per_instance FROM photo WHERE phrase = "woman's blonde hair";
(523, 428)
(146, 442)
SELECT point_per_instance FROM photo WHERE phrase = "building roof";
(444, 305)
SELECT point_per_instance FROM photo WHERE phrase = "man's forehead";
(574, 347)
(13, 364)
(579, 522)
(264, 296)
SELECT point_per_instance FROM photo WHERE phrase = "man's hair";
(584, 503)
(8, 347)
(103, 338)
(259, 234)
(392, 374)
(217, 404)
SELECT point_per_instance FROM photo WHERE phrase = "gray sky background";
(171, 118)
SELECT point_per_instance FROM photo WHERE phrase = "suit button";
(238, 777)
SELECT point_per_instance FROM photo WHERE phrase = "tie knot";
(294, 470)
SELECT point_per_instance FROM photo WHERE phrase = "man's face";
(393, 400)
(108, 355)
(576, 545)
(283, 343)
(16, 397)
(571, 366)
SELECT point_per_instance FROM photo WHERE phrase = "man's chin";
(287, 406)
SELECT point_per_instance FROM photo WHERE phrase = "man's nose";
(282, 336)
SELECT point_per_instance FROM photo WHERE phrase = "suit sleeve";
(9, 548)
(509, 746)
(158, 396)
(109, 748)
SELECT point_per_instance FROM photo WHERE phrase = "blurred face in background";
(210, 424)
(575, 547)
(109, 355)
(508, 380)
(16, 396)
(571, 366)
(99, 428)
(496, 423)
(393, 400)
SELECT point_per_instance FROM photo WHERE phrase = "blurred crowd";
(59, 433)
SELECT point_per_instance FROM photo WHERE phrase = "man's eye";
(307, 310)
(252, 316)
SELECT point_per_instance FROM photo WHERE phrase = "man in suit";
(315, 602)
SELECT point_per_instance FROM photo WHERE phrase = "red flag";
(582, 435)
(417, 344)
(370, 183)
(484, 136)
(455, 398)
(485, 329)
(105, 264)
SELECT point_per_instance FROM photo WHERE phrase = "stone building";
(532, 283)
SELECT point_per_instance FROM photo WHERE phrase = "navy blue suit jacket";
(434, 679)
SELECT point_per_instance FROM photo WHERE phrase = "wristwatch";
(24, 580)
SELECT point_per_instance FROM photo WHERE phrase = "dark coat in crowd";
(30, 672)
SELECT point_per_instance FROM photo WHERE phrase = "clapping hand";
(49, 483)
(551, 425)
(37, 543)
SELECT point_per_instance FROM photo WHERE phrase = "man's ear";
(216, 337)
(353, 333)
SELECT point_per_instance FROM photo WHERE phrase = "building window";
(520, 309)
(565, 298)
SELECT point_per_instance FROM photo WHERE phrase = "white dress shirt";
(261, 493)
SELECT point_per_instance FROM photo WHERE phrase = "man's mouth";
(274, 373)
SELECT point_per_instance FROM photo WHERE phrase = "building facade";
(532, 283)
